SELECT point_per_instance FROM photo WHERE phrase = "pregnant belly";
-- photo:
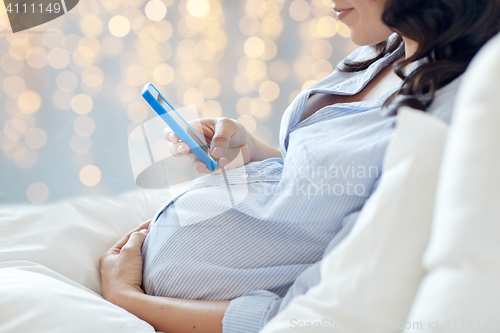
(227, 254)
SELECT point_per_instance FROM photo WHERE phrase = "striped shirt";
(266, 249)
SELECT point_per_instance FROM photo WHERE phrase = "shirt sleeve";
(250, 312)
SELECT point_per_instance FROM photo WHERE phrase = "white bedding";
(54, 252)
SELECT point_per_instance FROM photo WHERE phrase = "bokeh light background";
(71, 87)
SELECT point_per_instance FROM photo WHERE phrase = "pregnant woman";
(232, 271)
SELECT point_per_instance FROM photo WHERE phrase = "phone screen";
(179, 120)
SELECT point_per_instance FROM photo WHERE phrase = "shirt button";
(245, 176)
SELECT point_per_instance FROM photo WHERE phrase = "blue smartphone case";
(181, 133)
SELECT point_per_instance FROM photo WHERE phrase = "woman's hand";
(226, 138)
(121, 265)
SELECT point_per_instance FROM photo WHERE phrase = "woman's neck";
(411, 47)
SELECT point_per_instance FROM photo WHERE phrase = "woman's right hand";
(226, 138)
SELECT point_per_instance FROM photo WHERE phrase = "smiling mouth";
(342, 12)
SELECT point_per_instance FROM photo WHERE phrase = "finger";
(179, 149)
(223, 162)
(135, 240)
(224, 129)
(124, 239)
(173, 137)
(170, 136)
(199, 166)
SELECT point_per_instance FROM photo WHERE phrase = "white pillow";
(70, 236)
(368, 281)
(36, 299)
(461, 292)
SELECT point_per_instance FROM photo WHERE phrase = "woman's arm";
(121, 276)
(260, 151)
(172, 314)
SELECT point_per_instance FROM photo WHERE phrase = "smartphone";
(179, 126)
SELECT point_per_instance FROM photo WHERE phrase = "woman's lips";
(343, 12)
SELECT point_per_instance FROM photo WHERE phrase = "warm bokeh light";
(11, 65)
(243, 105)
(193, 96)
(269, 91)
(82, 104)
(24, 157)
(37, 193)
(90, 175)
(327, 27)
(308, 83)
(211, 88)
(36, 57)
(84, 125)
(119, 26)
(198, 8)
(58, 58)
(211, 109)
(270, 51)
(322, 49)
(35, 138)
(29, 101)
(155, 10)
(91, 26)
(321, 69)
(343, 30)
(83, 56)
(249, 122)
(163, 74)
(254, 47)
(256, 69)
(14, 86)
(53, 38)
(259, 107)
(299, 10)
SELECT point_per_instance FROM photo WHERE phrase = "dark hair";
(448, 32)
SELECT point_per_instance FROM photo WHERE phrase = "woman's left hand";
(121, 265)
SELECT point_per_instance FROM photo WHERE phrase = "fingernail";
(217, 152)
(144, 231)
(223, 161)
(180, 150)
(171, 136)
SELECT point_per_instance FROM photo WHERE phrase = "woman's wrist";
(252, 147)
(120, 294)
(259, 150)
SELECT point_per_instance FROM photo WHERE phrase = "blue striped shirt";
(266, 249)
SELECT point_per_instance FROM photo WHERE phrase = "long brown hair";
(448, 32)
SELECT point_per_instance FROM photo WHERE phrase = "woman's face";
(364, 19)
